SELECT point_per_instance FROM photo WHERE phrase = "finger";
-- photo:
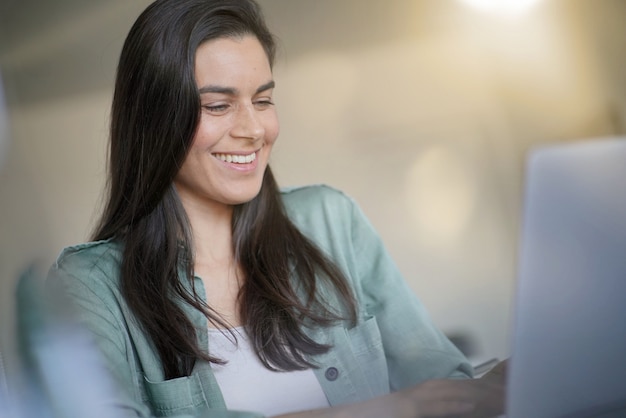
(499, 370)
(445, 408)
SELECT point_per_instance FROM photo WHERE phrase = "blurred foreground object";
(62, 372)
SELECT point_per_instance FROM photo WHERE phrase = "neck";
(214, 263)
(211, 225)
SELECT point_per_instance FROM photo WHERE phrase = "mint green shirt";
(394, 344)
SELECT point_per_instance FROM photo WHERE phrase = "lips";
(236, 158)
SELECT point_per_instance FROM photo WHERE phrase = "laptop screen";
(568, 354)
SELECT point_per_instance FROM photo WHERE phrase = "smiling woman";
(208, 290)
(238, 124)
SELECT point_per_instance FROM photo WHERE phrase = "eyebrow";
(231, 91)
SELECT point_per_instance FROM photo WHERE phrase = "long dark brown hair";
(154, 116)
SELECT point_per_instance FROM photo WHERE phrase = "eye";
(216, 108)
(263, 103)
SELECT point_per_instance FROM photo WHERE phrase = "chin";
(244, 196)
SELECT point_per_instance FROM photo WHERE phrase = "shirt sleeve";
(415, 349)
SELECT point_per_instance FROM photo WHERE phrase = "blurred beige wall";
(421, 110)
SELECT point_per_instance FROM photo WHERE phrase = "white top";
(247, 385)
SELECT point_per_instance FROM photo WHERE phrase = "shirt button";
(332, 374)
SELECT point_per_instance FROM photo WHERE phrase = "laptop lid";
(568, 356)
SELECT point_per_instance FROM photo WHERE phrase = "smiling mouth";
(237, 159)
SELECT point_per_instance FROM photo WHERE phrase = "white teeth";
(238, 159)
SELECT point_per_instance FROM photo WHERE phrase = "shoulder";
(90, 255)
(325, 215)
(316, 201)
(90, 263)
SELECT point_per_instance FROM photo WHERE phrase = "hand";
(435, 398)
(497, 373)
(471, 398)
(463, 398)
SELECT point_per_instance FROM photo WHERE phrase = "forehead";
(231, 60)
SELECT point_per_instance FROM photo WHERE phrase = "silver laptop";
(568, 355)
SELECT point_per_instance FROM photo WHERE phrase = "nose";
(247, 123)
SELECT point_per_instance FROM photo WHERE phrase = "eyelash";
(216, 108)
(223, 107)
(265, 102)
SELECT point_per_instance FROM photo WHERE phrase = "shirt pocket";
(367, 347)
(178, 396)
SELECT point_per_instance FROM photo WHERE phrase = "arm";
(415, 349)
(92, 312)
(468, 398)
(428, 376)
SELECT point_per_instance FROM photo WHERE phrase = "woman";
(208, 290)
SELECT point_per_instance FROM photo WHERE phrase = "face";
(237, 128)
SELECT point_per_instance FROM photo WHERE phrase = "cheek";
(272, 129)
(207, 135)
